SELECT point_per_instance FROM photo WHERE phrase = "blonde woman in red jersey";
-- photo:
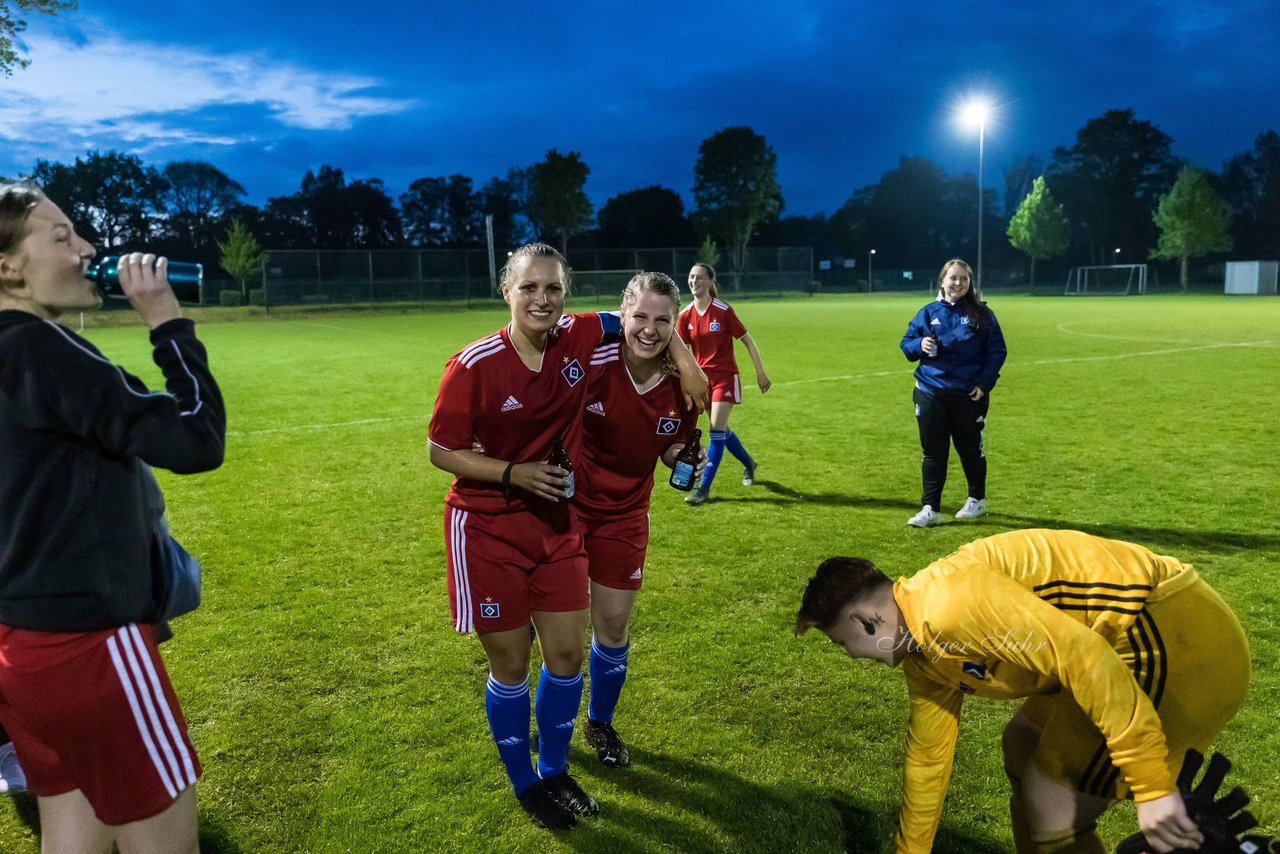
(709, 326)
(635, 417)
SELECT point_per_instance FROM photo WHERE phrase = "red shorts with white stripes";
(503, 567)
(94, 711)
(726, 387)
(615, 550)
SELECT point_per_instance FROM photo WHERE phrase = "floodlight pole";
(870, 287)
(493, 272)
(982, 127)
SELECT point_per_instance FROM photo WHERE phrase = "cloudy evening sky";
(398, 90)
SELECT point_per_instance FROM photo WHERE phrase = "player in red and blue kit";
(635, 416)
(514, 551)
(709, 326)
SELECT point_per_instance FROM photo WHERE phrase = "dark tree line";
(1109, 183)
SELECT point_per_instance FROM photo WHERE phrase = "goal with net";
(1107, 280)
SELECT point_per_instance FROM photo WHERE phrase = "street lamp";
(976, 111)
(869, 254)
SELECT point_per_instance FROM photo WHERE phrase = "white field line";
(1066, 328)
(1062, 361)
(334, 425)
(319, 325)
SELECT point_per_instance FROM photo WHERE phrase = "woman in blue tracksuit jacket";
(960, 348)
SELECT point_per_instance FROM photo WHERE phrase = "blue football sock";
(507, 707)
(734, 446)
(556, 709)
(608, 666)
(715, 450)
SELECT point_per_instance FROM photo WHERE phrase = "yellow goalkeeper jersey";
(1022, 613)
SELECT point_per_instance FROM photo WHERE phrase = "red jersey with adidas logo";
(710, 335)
(626, 431)
(488, 395)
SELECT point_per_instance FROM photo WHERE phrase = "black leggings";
(943, 420)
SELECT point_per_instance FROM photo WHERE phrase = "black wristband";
(506, 478)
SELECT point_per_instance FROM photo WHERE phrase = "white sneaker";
(11, 777)
(972, 509)
(925, 518)
(696, 498)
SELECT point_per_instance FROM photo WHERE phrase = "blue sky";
(400, 90)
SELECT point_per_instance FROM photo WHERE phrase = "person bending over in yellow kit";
(1127, 659)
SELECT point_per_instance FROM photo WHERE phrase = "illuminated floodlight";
(976, 110)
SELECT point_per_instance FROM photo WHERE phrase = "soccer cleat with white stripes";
(927, 517)
(608, 745)
(545, 808)
(566, 790)
(749, 474)
(972, 509)
(696, 498)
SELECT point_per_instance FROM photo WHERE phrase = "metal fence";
(386, 275)
(846, 280)
(765, 268)
(335, 277)
(295, 276)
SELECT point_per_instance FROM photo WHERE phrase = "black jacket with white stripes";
(76, 545)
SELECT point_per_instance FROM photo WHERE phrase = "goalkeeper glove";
(1220, 821)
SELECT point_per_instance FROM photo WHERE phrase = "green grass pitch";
(335, 710)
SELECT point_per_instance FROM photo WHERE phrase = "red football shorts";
(616, 550)
(94, 711)
(501, 568)
(726, 387)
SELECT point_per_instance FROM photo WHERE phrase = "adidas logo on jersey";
(511, 403)
(597, 408)
(635, 576)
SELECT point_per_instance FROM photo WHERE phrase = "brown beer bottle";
(561, 459)
(687, 463)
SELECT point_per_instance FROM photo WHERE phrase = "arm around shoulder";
(693, 382)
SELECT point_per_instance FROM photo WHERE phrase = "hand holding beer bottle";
(560, 459)
(686, 463)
